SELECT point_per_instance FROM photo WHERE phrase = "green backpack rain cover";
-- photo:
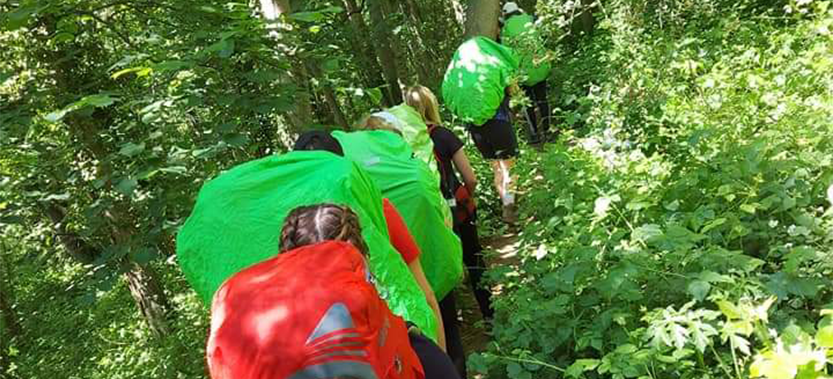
(414, 190)
(237, 221)
(415, 132)
(519, 33)
(474, 83)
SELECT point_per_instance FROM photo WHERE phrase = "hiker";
(451, 161)
(313, 312)
(404, 120)
(497, 143)
(400, 237)
(519, 33)
(237, 219)
(413, 187)
(476, 88)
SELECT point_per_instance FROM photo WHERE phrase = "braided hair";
(312, 224)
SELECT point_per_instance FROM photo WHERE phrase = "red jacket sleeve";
(400, 237)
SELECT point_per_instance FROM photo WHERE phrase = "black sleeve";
(446, 143)
(435, 363)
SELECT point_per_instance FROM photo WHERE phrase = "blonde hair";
(423, 100)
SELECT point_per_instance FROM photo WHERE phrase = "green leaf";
(143, 256)
(307, 16)
(477, 363)
(63, 37)
(224, 48)
(513, 369)
(713, 224)
(647, 232)
(749, 208)
(713, 277)
(126, 186)
(20, 16)
(580, 366)
(673, 206)
(172, 65)
(331, 65)
(699, 289)
(236, 140)
(729, 310)
(315, 16)
(638, 205)
(126, 71)
(179, 170)
(824, 337)
(131, 149)
(209, 9)
(59, 197)
(375, 95)
(98, 100)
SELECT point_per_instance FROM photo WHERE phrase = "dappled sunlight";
(263, 323)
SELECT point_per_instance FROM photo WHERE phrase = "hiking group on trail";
(341, 258)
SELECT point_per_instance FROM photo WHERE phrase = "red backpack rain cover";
(310, 313)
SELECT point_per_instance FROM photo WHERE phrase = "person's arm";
(463, 166)
(419, 275)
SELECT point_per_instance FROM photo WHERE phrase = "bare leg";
(504, 181)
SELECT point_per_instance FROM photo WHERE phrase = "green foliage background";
(681, 229)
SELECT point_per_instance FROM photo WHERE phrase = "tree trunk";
(420, 53)
(587, 21)
(141, 281)
(482, 17)
(335, 108)
(300, 117)
(74, 246)
(272, 9)
(365, 54)
(150, 298)
(384, 50)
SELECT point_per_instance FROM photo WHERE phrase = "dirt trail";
(500, 250)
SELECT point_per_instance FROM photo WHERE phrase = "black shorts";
(435, 363)
(495, 139)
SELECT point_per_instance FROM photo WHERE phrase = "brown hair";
(312, 224)
(423, 100)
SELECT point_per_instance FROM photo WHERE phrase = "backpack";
(475, 80)
(238, 216)
(414, 190)
(312, 312)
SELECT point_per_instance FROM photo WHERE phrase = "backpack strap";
(444, 176)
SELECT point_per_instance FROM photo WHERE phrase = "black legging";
(473, 258)
(538, 95)
(476, 265)
(435, 364)
(453, 339)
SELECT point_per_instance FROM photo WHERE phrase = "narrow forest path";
(501, 249)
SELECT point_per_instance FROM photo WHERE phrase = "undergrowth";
(684, 230)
